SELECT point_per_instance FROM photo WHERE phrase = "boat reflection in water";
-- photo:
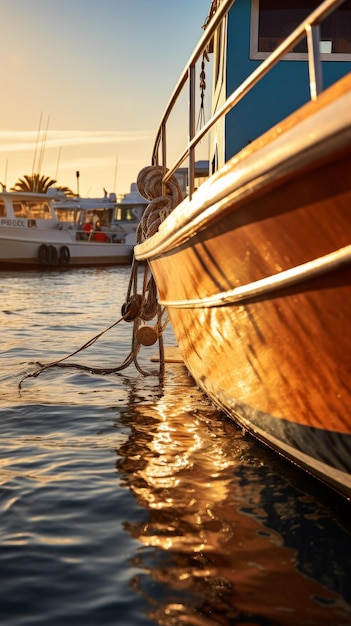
(230, 535)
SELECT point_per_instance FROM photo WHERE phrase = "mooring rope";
(138, 307)
(146, 309)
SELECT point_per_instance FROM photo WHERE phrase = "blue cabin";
(253, 30)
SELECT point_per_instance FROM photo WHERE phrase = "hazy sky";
(84, 83)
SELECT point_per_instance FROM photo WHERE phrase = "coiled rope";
(138, 307)
(150, 186)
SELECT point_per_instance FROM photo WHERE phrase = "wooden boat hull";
(276, 359)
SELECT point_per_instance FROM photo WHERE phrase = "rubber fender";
(43, 254)
(53, 255)
(65, 256)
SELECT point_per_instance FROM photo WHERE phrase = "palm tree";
(39, 184)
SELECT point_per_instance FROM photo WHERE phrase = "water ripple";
(124, 501)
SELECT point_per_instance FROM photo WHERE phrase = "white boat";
(118, 216)
(129, 209)
(48, 231)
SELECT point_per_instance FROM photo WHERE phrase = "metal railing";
(309, 28)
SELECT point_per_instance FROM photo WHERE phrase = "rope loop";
(149, 183)
(131, 308)
(150, 186)
(149, 306)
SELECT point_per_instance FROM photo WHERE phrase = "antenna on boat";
(115, 178)
(58, 161)
(77, 176)
(42, 149)
(3, 185)
(36, 145)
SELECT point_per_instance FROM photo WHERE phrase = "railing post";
(164, 156)
(191, 168)
(314, 60)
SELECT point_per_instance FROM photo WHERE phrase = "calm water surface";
(126, 501)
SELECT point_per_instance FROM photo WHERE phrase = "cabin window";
(65, 214)
(20, 209)
(2, 209)
(271, 23)
(32, 210)
(125, 214)
(40, 210)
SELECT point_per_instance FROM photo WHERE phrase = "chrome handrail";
(308, 28)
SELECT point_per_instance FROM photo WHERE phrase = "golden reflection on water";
(194, 473)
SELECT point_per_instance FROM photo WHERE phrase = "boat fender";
(43, 254)
(64, 256)
(146, 335)
(131, 309)
(53, 255)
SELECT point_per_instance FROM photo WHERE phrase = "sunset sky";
(84, 83)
